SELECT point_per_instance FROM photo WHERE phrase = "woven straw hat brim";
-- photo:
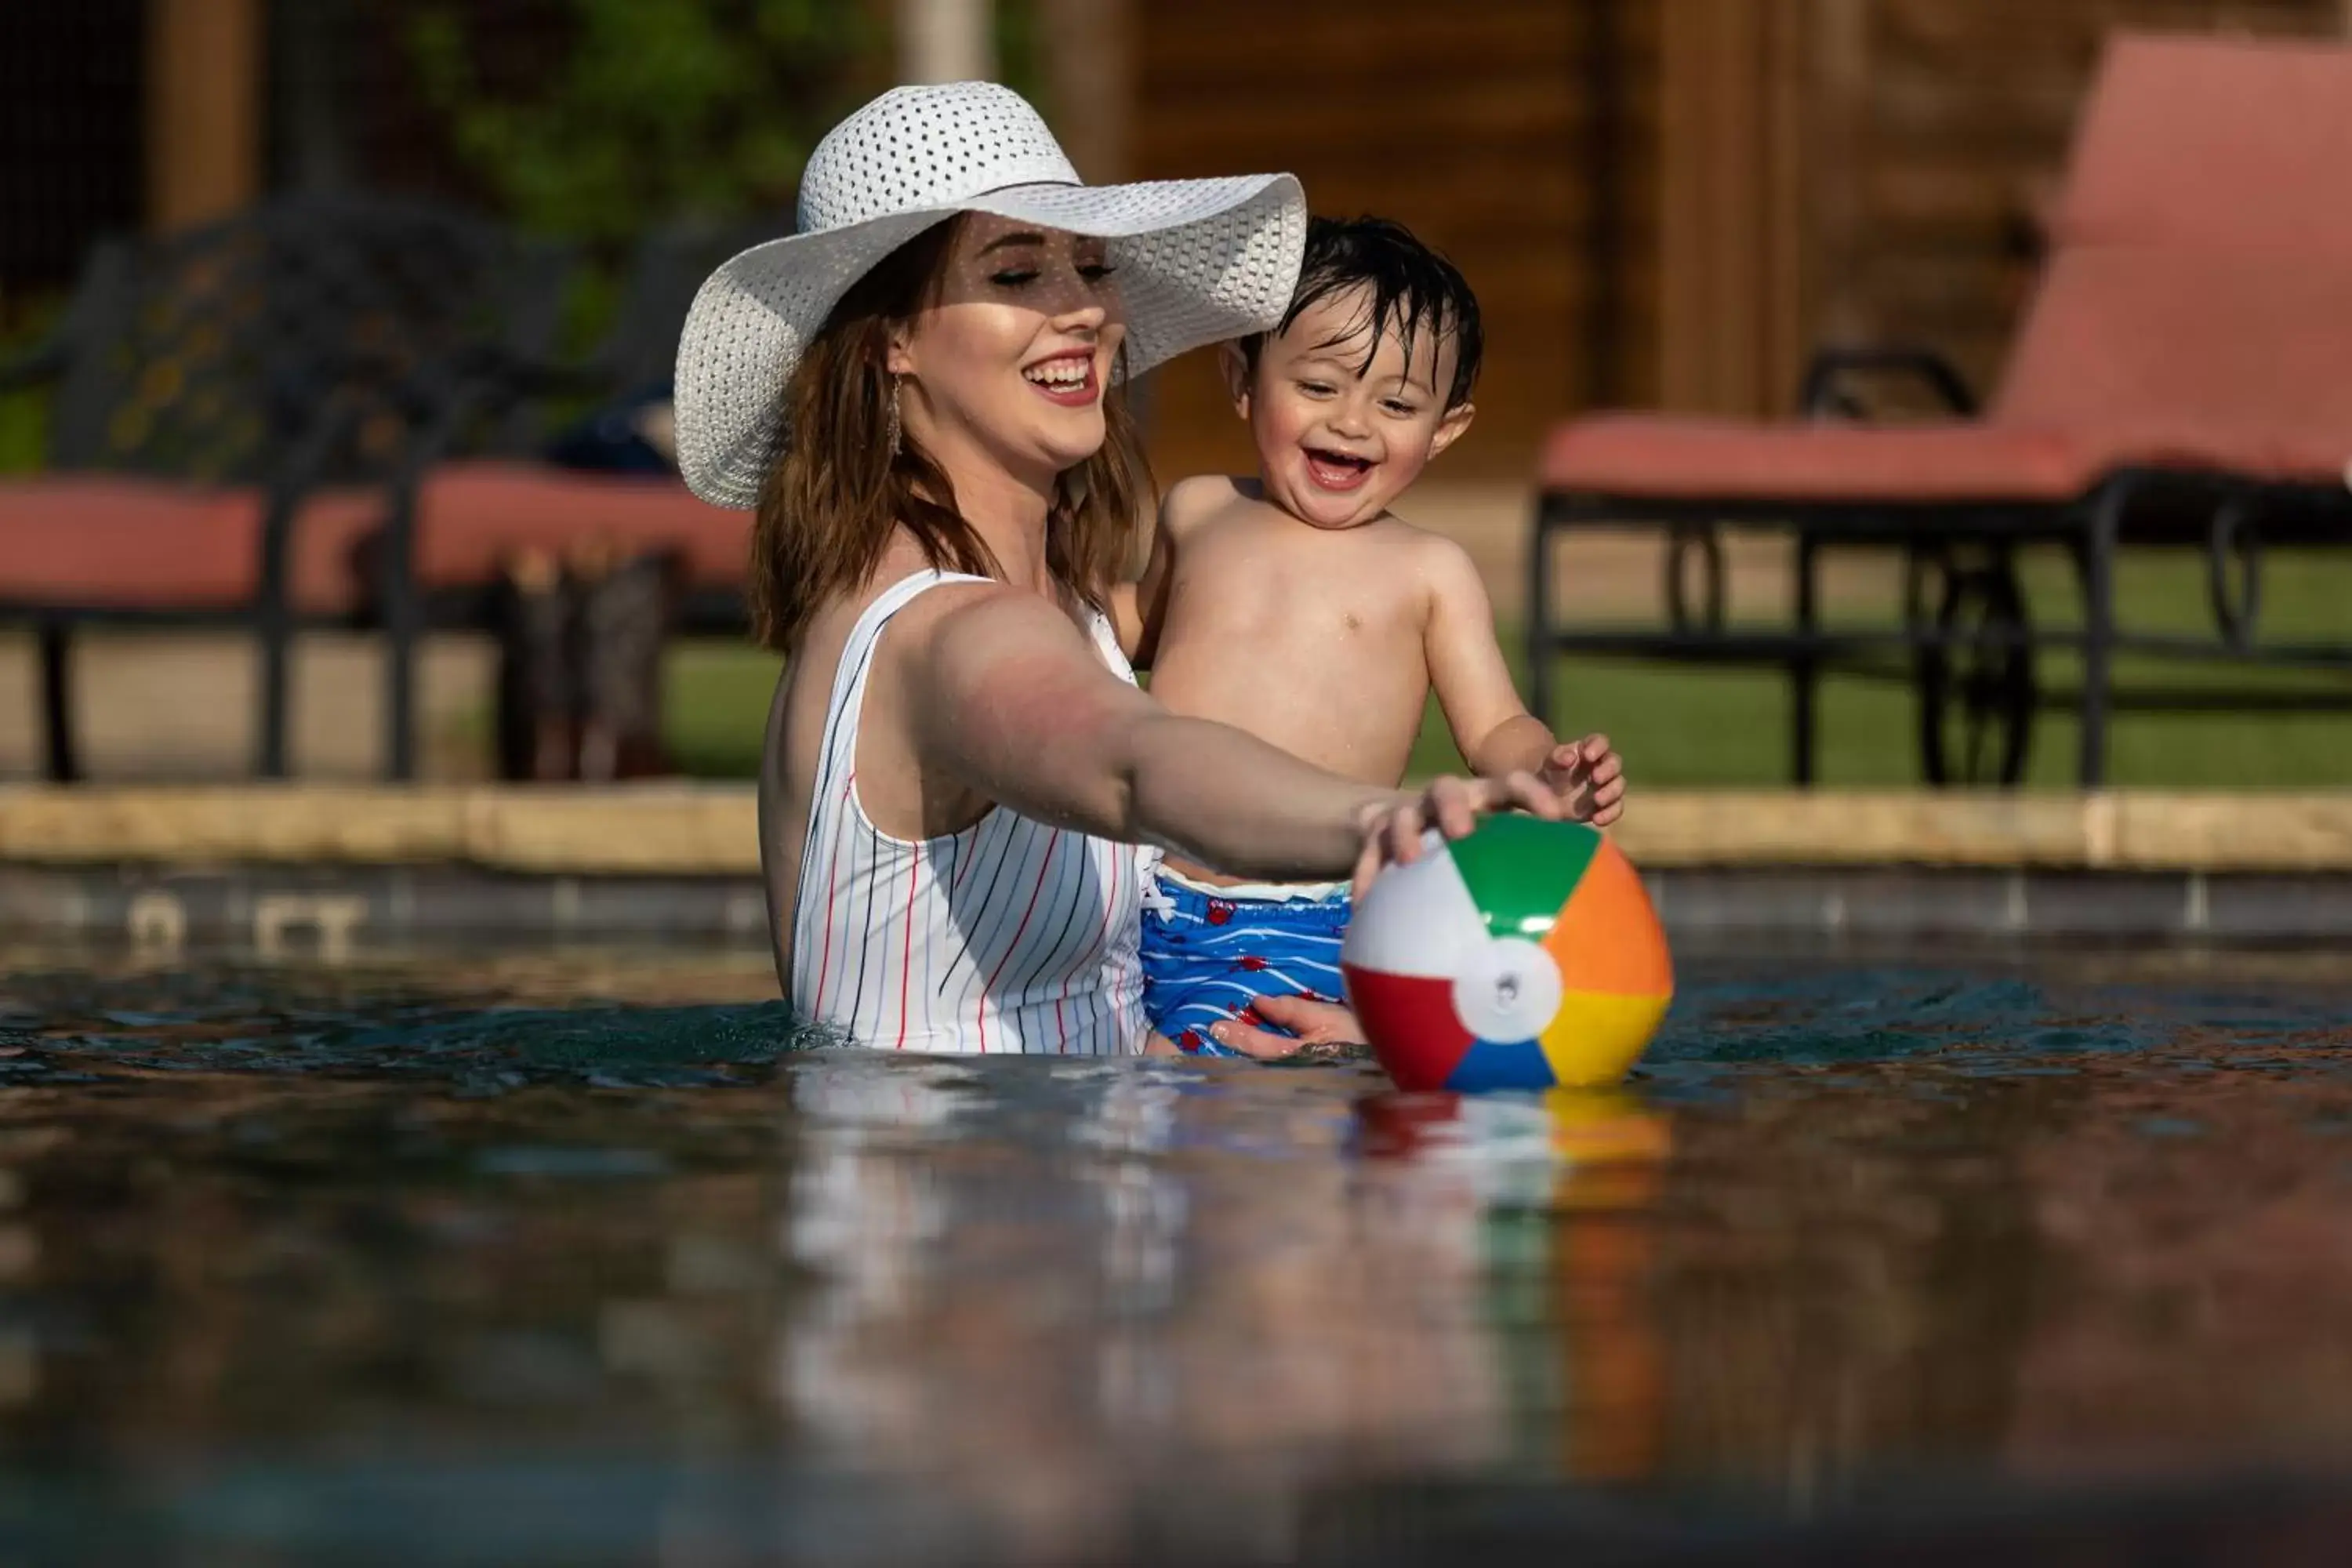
(1198, 261)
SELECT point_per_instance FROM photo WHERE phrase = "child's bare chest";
(1290, 587)
(1314, 645)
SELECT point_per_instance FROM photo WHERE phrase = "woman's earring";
(894, 418)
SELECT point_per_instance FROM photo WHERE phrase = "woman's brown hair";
(834, 491)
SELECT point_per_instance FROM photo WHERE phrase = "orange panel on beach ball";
(1607, 939)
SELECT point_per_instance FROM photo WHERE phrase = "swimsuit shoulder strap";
(846, 705)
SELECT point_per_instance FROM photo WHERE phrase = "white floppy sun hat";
(1199, 260)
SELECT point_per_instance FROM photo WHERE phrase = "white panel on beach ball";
(1418, 920)
(1506, 989)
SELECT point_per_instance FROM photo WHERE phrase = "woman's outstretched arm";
(1004, 692)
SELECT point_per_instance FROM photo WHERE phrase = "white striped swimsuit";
(1008, 936)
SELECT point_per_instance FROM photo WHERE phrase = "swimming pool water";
(442, 1262)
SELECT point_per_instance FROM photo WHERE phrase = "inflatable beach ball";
(1523, 956)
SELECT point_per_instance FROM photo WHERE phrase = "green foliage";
(24, 431)
(1019, 52)
(25, 413)
(658, 108)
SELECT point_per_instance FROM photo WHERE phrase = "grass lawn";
(1695, 726)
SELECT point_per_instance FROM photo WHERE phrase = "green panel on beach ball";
(1521, 870)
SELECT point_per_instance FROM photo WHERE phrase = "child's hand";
(1589, 777)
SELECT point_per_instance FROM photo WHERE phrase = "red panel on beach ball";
(1421, 1039)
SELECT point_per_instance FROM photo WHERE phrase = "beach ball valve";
(1526, 955)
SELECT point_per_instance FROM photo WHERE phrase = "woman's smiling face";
(1010, 359)
(1343, 424)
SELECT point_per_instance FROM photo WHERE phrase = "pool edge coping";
(695, 830)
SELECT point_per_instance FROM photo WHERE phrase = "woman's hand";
(1314, 1022)
(1393, 829)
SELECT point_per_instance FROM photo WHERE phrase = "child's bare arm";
(1142, 610)
(1490, 724)
(1141, 607)
(1496, 734)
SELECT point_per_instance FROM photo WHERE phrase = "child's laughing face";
(1342, 431)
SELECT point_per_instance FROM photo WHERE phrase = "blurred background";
(1662, 203)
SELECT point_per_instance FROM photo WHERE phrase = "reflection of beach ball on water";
(1598, 1143)
(1522, 956)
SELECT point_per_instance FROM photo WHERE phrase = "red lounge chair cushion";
(88, 542)
(2222, 361)
(1669, 458)
(97, 543)
(2233, 144)
(472, 516)
(2132, 356)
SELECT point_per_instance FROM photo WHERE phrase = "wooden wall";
(1784, 172)
(1471, 122)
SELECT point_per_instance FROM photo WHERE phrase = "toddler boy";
(1294, 605)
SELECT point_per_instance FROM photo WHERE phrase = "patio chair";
(458, 505)
(2182, 378)
(222, 400)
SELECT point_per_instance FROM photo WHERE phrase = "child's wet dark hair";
(1414, 289)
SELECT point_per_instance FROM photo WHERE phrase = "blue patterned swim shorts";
(1207, 954)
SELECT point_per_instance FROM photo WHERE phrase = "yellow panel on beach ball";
(1595, 1038)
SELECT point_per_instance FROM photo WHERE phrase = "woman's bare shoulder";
(959, 625)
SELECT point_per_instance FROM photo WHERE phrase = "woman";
(918, 391)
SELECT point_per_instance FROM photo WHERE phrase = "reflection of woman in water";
(1047, 1291)
(918, 393)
